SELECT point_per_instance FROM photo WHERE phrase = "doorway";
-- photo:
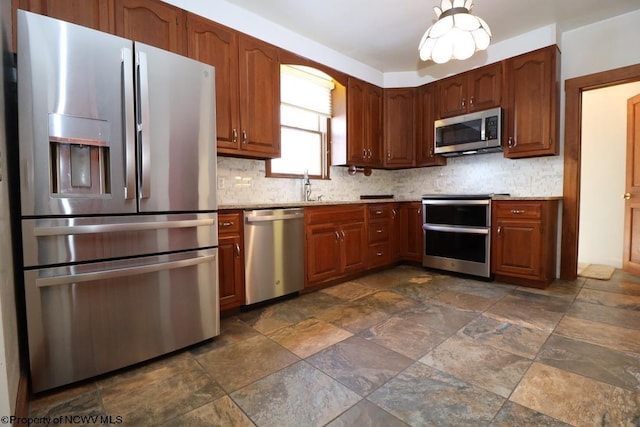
(572, 157)
(602, 178)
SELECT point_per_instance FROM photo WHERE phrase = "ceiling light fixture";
(457, 34)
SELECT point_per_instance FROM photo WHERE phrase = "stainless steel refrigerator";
(118, 200)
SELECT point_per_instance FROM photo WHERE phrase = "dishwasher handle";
(274, 217)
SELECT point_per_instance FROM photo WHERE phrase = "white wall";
(604, 144)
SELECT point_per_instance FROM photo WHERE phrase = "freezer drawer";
(93, 318)
(49, 241)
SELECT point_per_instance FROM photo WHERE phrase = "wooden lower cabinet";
(230, 260)
(336, 242)
(524, 241)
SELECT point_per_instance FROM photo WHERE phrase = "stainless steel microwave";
(473, 133)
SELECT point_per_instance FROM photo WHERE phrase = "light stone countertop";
(300, 204)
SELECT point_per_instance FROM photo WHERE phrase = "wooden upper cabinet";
(425, 115)
(218, 46)
(364, 123)
(96, 14)
(475, 90)
(152, 22)
(532, 107)
(399, 129)
(259, 97)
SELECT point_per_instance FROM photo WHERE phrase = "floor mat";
(595, 271)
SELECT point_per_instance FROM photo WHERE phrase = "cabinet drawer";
(531, 210)
(379, 253)
(229, 223)
(334, 215)
(378, 232)
(378, 211)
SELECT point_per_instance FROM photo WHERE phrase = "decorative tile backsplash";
(243, 181)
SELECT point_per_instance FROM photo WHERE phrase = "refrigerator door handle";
(129, 124)
(143, 127)
(111, 228)
(121, 272)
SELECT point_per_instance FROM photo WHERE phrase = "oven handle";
(455, 202)
(456, 229)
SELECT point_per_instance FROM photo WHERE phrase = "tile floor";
(402, 347)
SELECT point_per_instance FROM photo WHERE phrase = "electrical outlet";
(220, 182)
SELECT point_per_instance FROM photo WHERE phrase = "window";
(305, 111)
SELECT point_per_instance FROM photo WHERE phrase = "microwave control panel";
(491, 127)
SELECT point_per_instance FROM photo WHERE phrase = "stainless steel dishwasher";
(274, 253)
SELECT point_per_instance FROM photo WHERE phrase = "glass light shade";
(457, 34)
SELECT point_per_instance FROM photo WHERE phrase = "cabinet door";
(485, 87)
(231, 271)
(88, 13)
(518, 248)
(399, 130)
(412, 235)
(373, 124)
(354, 247)
(532, 104)
(259, 97)
(356, 148)
(323, 253)
(452, 91)
(155, 23)
(218, 46)
(425, 132)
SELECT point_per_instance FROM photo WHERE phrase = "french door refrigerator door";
(93, 318)
(176, 132)
(72, 113)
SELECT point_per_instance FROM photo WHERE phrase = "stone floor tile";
(614, 337)
(490, 368)
(516, 339)
(442, 318)
(421, 396)
(236, 365)
(603, 314)
(310, 304)
(308, 337)
(387, 301)
(220, 412)
(463, 300)
(402, 336)
(610, 299)
(511, 414)
(353, 317)
(348, 291)
(529, 310)
(298, 395)
(272, 317)
(624, 287)
(575, 399)
(367, 414)
(359, 364)
(232, 330)
(69, 402)
(599, 363)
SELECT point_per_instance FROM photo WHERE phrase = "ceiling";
(384, 34)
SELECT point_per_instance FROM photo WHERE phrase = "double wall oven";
(457, 233)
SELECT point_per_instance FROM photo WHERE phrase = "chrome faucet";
(307, 187)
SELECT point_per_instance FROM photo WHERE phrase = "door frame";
(572, 157)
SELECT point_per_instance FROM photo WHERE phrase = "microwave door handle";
(143, 126)
(129, 124)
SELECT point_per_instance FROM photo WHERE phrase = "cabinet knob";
(626, 196)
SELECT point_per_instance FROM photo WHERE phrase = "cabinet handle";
(369, 151)
(343, 235)
(464, 101)
(364, 153)
(226, 224)
(512, 142)
(237, 246)
(471, 101)
(244, 137)
(379, 230)
(234, 135)
(394, 212)
(499, 231)
(388, 154)
(337, 235)
(517, 211)
(418, 211)
(378, 212)
(379, 253)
